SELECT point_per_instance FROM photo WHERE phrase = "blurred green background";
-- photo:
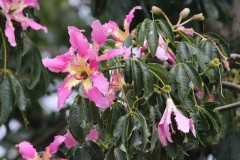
(222, 17)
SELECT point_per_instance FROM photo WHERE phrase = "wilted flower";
(28, 152)
(13, 9)
(165, 127)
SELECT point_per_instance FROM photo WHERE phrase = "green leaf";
(144, 127)
(128, 71)
(110, 118)
(147, 80)
(159, 72)
(137, 77)
(182, 52)
(20, 97)
(183, 82)
(165, 29)
(193, 75)
(188, 37)
(152, 36)
(128, 41)
(81, 153)
(118, 130)
(94, 150)
(35, 67)
(119, 154)
(220, 41)
(75, 125)
(140, 35)
(6, 100)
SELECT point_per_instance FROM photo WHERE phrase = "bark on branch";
(229, 106)
(231, 86)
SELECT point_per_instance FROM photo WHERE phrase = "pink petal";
(110, 27)
(166, 126)
(129, 18)
(9, 32)
(31, 23)
(99, 35)
(192, 128)
(69, 140)
(59, 63)
(161, 135)
(100, 82)
(95, 95)
(65, 90)
(53, 147)
(186, 30)
(182, 122)
(27, 151)
(3, 4)
(162, 54)
(32, 3)
(93, 135)
(92, 56)
(112, 53)
(78, 41)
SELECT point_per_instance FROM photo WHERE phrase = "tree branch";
(229, 106)
(231, 86)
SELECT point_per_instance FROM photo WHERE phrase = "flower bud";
(184, 13)
(134, 43)
(191, 85)
(167, 88)
(198, 17)
(214, 63)
(156, 10)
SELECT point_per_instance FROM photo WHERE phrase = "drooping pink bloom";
(13, 9)
(165, 128)
(81, 64)
(28, 152)
(189, 31)
(163, 53)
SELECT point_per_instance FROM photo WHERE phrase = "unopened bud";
(198, 17)
(191, 85)
(156, 10)
(184, 13)
(214, 63)
(134, 43)
(167, 88)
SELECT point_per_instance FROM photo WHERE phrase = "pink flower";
(165, 128)
(189, 31)
(93, 135)
(81, 64)
(28, 152)
(116, 32)
(13, 9)
(70, 140)
(163, 53)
